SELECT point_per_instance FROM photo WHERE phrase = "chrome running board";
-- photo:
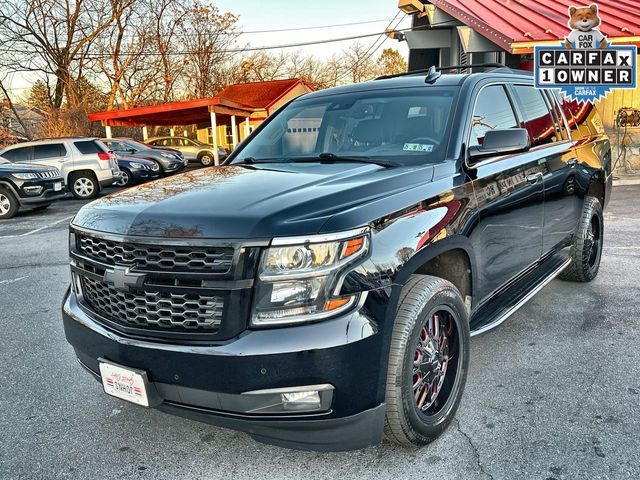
(528, 296)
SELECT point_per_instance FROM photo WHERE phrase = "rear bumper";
(201, 382)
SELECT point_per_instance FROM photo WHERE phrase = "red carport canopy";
(190, 112)
(240, 100)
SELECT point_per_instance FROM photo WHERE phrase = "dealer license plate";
(124, 383)
(57, 186)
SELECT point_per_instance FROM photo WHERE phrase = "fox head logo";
(584, 23)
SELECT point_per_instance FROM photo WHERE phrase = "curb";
(621, 182)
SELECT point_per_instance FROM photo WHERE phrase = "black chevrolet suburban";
(319, 290)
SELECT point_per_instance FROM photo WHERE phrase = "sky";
(280, 14)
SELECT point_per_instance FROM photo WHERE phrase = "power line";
(371, 48)
(93, 56)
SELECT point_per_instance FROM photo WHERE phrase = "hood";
(24, 167)
(248, 201)
(157, 153)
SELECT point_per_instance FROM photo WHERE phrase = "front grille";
(49, 174)
(154, 310)
(158, 257)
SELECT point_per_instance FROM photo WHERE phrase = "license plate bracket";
(127, 383)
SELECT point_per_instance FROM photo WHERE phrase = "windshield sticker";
(418, 147)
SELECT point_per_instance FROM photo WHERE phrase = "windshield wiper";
(332, 157)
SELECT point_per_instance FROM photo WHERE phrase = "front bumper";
(197, 381)
(143, 175)
(48, 194)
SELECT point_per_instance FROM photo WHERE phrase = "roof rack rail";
(433, 70)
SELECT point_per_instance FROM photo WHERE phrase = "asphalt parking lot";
(554, 393)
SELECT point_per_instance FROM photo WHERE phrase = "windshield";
(135, 145)
(404, 127)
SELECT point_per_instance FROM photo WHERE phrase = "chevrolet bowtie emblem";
(122, 279)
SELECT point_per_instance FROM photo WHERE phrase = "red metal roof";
(241, 99)
(516, 24)
(260, 94)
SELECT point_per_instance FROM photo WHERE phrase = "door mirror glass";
(500, 142)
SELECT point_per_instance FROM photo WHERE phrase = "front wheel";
(586, 250)
(428, 361)
(8, 204)
(125, 180)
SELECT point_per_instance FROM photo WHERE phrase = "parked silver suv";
(85, 163)
(193, 150)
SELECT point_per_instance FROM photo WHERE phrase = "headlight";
(137, 165)
(25, 175)
(298, 277)
(168, 155)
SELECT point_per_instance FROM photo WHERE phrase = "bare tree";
(206, 34)
(52, 37)
(25, 129)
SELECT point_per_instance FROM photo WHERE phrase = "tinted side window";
(493, 111)
(88, 147)
(18, 155)
(536, 117)
(52, 150)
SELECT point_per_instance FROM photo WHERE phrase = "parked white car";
(85, 163)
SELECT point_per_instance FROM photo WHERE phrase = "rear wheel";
(428, 361)
(206, 159)
(586, 250)
(84, 185)
(8, 204)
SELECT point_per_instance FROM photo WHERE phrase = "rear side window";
(52, 150)
(87, 147)
(535, 114)
(493, 111)
(18, 155)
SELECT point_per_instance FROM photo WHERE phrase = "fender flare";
(422, 256)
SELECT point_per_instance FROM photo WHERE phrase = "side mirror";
(499, 142)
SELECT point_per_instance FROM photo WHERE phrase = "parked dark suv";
(30, 186)
(320, 289)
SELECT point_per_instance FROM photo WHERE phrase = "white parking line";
(13, 280)
(31, 232)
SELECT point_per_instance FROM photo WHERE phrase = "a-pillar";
(234, 131)
(214, 138)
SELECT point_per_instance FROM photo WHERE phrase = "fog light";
(32, 190)
(294, 400)
(304, 400)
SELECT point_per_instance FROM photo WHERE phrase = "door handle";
(572, 162)
(534, 178)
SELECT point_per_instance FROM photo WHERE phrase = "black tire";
(206, 159)
(586, 250)
(84, 185)
(406, 423)
(126, 180)
(8, 204)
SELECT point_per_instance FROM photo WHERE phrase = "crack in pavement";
(475, 451)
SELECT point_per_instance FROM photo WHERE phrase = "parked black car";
(136, 170)
(320, 288)
(170, 161)
(28, 185)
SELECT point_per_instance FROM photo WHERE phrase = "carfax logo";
(586, 67)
